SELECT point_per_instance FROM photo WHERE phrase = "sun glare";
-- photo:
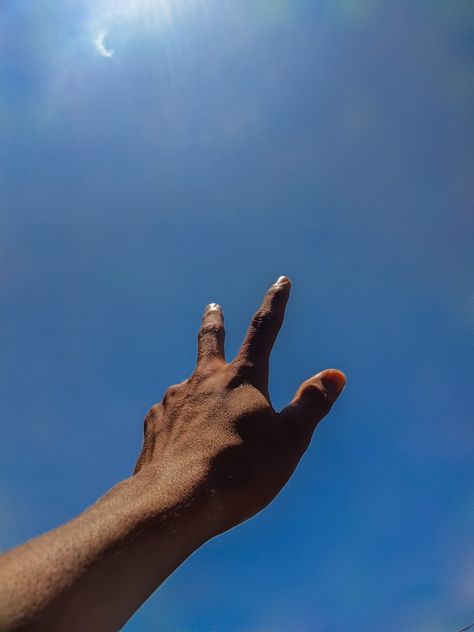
(143, 8)
(109, 15)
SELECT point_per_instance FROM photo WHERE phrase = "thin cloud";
(100, 45)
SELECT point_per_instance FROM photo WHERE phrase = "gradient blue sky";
(159, 155)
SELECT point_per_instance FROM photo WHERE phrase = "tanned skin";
(214, 454)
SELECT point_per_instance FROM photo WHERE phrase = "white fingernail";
(213, 306)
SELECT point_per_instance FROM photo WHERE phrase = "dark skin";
(215, 453)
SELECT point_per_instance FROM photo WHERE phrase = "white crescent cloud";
(100, 45)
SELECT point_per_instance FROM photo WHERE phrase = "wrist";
(147, 504)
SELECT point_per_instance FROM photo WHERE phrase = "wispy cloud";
(100, 45)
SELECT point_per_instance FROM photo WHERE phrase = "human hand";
(214, 446)
(215, 453)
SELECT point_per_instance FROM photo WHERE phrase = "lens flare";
(107, 16)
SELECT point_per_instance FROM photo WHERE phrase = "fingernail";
(333, 381)
(213, 306)
(282, 280)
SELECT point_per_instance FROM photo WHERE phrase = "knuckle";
(202, 376)
(235, 380)
(170, 394)
(318, 396)
(313, 392)
(210, 329)
(154, 411)
(262, 318)
(243, 369)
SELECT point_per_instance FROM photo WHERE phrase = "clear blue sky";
(157, 155)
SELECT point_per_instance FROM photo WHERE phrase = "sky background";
(159, 155)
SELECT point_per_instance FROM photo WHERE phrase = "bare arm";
(215, 453)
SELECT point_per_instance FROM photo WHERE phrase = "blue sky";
(159, 155)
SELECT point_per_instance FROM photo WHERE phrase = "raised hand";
(215, 453)
(214, 446)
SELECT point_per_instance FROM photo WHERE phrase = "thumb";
(314, 398)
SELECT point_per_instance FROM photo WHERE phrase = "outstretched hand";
(215, 453)
(214, 446)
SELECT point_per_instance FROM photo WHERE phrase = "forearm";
(95, 571)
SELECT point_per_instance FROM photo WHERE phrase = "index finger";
(264, 328)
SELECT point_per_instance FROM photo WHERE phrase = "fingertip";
(282, 282)
(212, 312)
(212, 307)
(333, 381)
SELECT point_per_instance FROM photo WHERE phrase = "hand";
(215, 453)
(214, 446)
